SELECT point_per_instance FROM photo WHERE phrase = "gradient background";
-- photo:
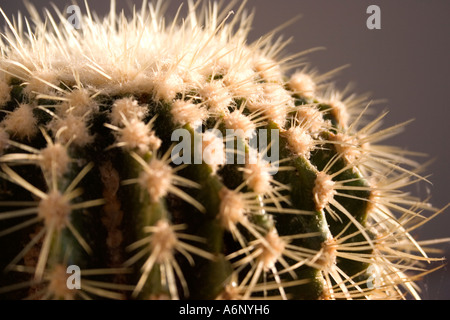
(406, 63)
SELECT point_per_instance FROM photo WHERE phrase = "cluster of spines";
(312, 230)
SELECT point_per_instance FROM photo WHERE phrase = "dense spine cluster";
(91, 175)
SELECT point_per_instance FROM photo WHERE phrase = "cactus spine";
(91, 175)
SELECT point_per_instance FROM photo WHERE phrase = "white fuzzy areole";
(272, 252)
(213, 150)
(268, 69)
(311, 118)
(339, 111)
(231, 291)
(127, 108)
(348, 147)
(137, 135)
(54, 158)
(240, 81)
(242, 124)
(166, 85)
(303, 85)
(71, 128)
(164, 239)
(57, 285)
(323, 191)
(5, 93)
(4, 137)
(186, 112)
(232, 208)
(55, 210)
(156, 179)
(216, 96)
(258, 177)
(274, 101)
(301, 143)
(38, 82)
(328, 253)
(21, 123)
(80, 102)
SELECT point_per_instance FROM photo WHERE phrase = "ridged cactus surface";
(175, 160)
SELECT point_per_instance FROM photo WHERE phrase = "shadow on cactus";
(173, 160)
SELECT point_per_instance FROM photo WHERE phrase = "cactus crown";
(91, 175)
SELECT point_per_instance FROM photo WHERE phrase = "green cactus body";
(91, 175)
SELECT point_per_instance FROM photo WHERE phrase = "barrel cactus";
(174, 160)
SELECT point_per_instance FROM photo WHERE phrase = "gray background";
(406, 63)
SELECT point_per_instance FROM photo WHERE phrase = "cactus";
(176, 161)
